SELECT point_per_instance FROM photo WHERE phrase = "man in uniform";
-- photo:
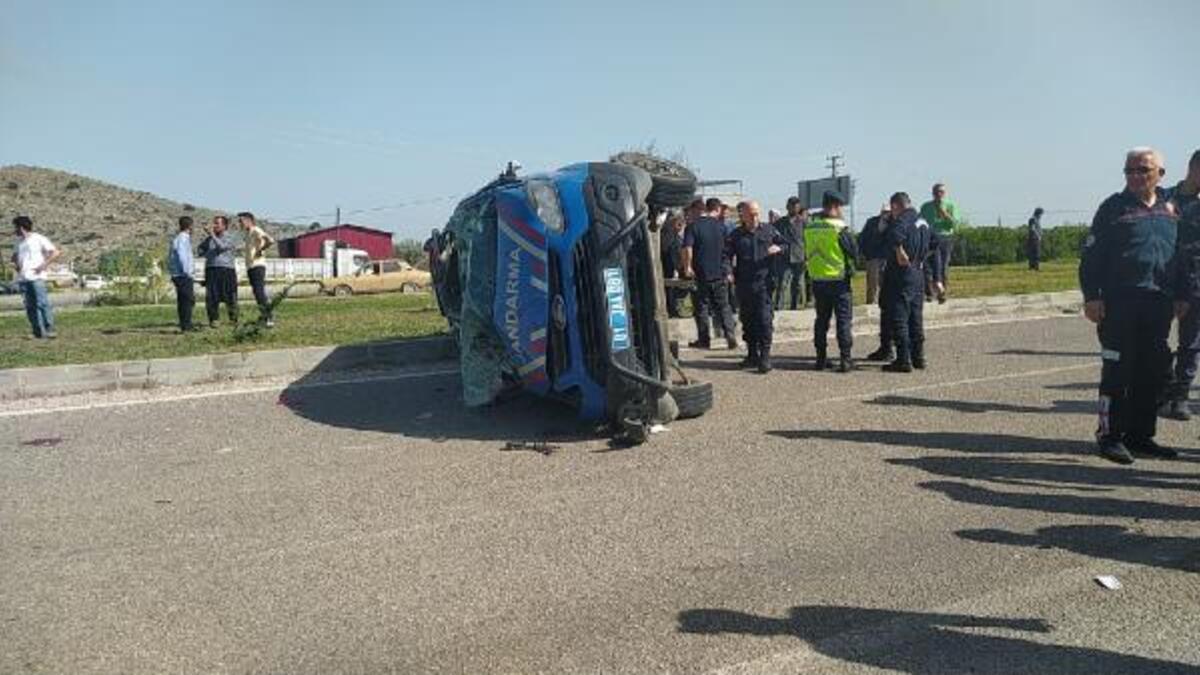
(1187, 205)
(942, 216)
(830, 253)
(704, 259)
(791, 283)
(1131, 271)
(908, 239)
(751, 249)
(873, 246)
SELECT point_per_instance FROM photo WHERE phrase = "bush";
(998, 245)
(126, 263)
(1064, 242)
(73, 185)
(188, 207)
(12, 185)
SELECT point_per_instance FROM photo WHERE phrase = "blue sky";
(291, 108)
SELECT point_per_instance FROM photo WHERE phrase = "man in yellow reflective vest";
(830, 253)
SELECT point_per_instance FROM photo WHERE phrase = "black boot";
(846, 364)
(752, 355)
(884, 353)
(898, 366)
(822, 363)
(764, 359)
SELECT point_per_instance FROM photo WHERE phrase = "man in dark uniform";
(1033, 240)
(704, 259)
(791, 262)
(872, 245)
(1186, 197)
(1131, 271)
(671, 244)
(752, 248)
(909, 238)
(830, 251)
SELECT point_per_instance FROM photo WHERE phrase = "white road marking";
(170, 398)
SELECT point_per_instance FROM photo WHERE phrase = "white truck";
(335, 262)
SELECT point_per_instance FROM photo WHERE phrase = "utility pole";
(834, 162)
(337, 216)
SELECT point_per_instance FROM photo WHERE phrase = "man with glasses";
(1186, 197)
(1134, 277)
(942, 216)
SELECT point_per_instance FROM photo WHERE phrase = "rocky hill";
(87, 217)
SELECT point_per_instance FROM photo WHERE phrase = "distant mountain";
(87, 217)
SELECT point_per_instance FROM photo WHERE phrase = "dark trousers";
(220, 286)
(258, 284)
(791, 286)
(757, 315)
(1034, 253)
(945, 247)
(906, 300)
(833, 298)
(185, 300)
(712, 299)
(1133, 343)
(1184, 372)
(885, 315)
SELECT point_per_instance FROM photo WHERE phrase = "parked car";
(552, 285)
(93, 282)
(380, 276)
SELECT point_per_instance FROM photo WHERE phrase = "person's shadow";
(919, 642)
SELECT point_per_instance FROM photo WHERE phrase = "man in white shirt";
(32, 258)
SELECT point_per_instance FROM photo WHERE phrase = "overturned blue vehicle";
(552, 285)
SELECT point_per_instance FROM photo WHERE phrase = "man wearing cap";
(791, 262)
(830, 253)
(704, 260)
(942, 216)
(751, 249)
(1134, 277)
(1186, 198)
(908, 237)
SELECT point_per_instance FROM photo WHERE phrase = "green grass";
(146, 332)
(127, 333)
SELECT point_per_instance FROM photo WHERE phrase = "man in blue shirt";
(1186, 198)
(704, 260)
(1134, 277)
(179, 266)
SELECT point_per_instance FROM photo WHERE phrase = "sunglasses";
(1139, 170)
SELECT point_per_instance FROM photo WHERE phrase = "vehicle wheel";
(408, 288)
(693, 399)
(343, 291)
(673, 184)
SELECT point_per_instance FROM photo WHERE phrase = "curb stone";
(21, 383)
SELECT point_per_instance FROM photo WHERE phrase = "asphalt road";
(946, 521)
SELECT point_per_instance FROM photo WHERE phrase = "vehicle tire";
(693, 399)
(343, 291)
(408, 288)
(673, 184)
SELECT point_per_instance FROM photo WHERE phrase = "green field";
(125, 333)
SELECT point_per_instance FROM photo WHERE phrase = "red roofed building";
(377, 243)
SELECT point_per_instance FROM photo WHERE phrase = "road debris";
(658, 428)
(541, 447)
(1108, 581)
(48, 442)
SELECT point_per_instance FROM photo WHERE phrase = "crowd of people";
(751, 269)
(35, 252)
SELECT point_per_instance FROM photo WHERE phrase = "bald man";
(751, 248)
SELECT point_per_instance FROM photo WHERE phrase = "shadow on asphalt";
(1058, 407)
(1044, 352)
(924, 643)
(958, 441)
(730, 362)
(1112, 542)
(429, 407)
(1073, 475)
